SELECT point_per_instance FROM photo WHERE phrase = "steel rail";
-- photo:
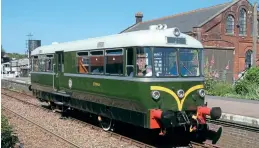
(46, 130)
(120, 137)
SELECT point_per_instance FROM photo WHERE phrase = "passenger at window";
(144, 70)
(96, 70)
(139, 72)
(148, 71)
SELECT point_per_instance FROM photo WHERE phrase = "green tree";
(16, 55)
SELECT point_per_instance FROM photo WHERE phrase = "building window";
(248, 60)
(242, 22)
(114, 62)
(230, 24)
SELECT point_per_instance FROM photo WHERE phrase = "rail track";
(235, 125)
(112, 134)
(42, 128)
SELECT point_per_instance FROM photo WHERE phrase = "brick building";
(225, 31)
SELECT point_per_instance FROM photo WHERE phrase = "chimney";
(138, 17)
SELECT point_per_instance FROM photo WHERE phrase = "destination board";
(174, 40)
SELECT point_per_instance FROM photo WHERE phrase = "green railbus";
(150, 78)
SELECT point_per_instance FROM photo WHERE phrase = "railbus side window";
(97, 62)
(144, 62)
(41, 63)
(83, 62)
(49, 63)
(114, 61)
(35, 62)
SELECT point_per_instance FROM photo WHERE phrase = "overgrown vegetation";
(246, 88)
(8, 139)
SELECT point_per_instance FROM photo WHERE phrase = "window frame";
(244, 25)
(199, 61)
(227, 21)
(177, 62)
(135, 61)
(249, 52)
(43, 57)
(77, 65)
(90, 55)
(123, 61)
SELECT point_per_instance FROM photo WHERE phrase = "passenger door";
(59, 68)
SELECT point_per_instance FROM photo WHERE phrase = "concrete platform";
(26, 80)
(235, 110)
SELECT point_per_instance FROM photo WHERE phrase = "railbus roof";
(151, 37)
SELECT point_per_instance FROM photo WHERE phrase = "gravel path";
(31, 135)
(77, 133)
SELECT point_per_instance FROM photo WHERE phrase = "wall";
(213, 35)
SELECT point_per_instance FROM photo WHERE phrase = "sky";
(68, 20)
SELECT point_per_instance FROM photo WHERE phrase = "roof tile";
(184, 21)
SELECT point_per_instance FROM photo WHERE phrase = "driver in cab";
(148, 71)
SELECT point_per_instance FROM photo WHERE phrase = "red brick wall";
(213, 34)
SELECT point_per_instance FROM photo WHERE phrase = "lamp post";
(255, 34)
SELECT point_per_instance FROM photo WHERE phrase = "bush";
(7, 138)
(249, 84)
(221, 89)
(241, 87)
(252, 75)
(209, 84)
(253, 92)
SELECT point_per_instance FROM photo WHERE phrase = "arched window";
(242, 22)
(248, 60)
(230, 24)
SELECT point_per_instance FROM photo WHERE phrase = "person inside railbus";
(148, 71)
(139, 72)
(144, 70)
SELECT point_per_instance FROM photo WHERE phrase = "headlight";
(176, 32)
(202, 92)
(180, 93)
(155, 95)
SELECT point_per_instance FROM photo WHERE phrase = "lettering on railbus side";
(96, 84)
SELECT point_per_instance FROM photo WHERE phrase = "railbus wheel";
(106, 123)
(52, 106)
